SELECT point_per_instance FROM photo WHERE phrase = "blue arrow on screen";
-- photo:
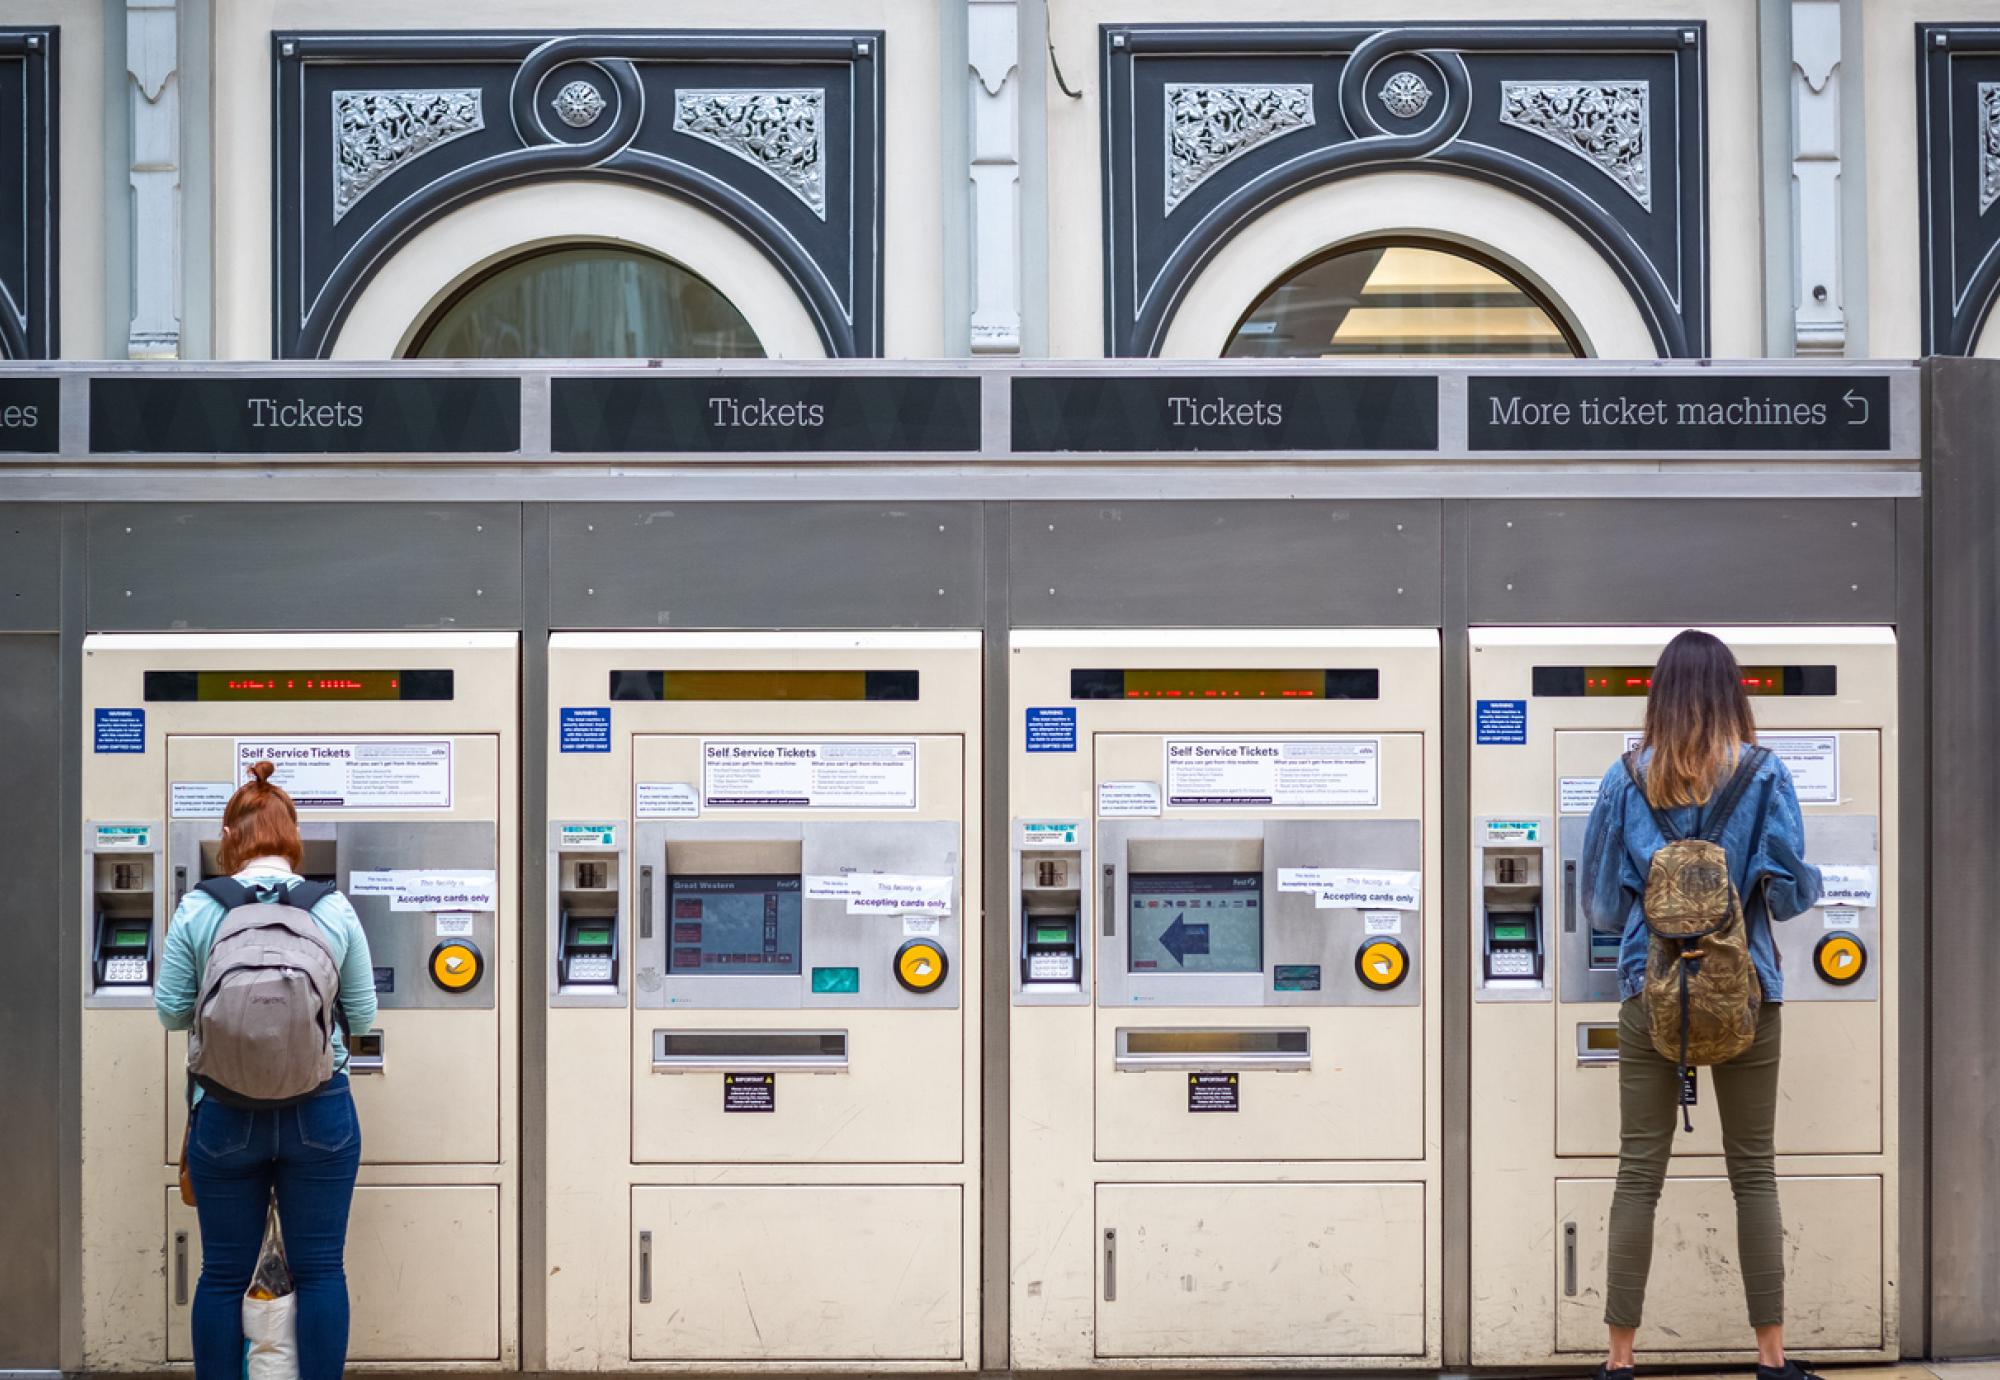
(1181, 939)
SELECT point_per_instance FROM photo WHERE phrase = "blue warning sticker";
(120, 730)
(1052, 729)
(586, 730)
(1500, 722)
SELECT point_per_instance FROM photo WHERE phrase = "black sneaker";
(1609, 1372)
(1793, 1369)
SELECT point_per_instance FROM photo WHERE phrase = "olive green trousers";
(1746, 1102)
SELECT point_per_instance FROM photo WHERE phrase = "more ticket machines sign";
(972, 412)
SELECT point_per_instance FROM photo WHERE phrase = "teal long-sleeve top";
(177, 986)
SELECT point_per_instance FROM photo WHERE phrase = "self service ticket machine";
(764, 994)
(400, 754)
(1553, 709)
(1224, 1042)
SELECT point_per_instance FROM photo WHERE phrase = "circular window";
(587, 303)
(1400, 299)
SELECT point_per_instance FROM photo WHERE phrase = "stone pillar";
(992, 57)
(1819, 322)
(152, 61)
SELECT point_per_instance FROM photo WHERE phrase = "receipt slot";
(400, 752)
(1224, 1041)
(1544, 1124)
(762, 1131)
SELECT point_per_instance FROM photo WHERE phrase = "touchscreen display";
(1196, 922)
(740, 925)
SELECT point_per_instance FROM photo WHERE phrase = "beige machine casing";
(839, 1231)
(1544, 1126)
(1299, 1231)
(431, 1256)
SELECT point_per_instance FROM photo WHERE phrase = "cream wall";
(80, 155)
(1076, 243)
(1889, 91)
(913, 215)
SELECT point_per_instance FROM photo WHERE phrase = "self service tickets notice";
(1283, 772)
(355, 773)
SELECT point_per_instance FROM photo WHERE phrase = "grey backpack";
(263, 1024)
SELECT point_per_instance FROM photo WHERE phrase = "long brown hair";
(259, 821)
(1697, 719)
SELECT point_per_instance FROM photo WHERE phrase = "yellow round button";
(1840, 959)
(457, 965)
(1382, 964)
(920, 965)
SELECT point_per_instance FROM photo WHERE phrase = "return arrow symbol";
(1852, 400)
(1181, 939)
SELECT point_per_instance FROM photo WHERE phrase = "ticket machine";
(399, 751)
(1224, 1042)
(763, 1139)
(1553, 709)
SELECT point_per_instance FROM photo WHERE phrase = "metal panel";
(30, 567)
(30, 990)
(534, 927)
(1682, 561)
(302, 566)
(996, 1128)
(1913, 926)
(766, 565)
(1455, 925)
(1277, 564)
(1964, 867)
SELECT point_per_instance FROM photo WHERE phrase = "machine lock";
(457, 965)
(1840, 959)
(1382, 964)
(920, 965)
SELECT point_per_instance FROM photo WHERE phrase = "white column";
(152, 41)
(992, 53)
(1819, 323)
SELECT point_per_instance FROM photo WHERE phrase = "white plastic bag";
(270, 1331)
(270, 1339)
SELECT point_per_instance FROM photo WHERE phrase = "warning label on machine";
(1283, 772)
(1214, 1092)
(749, 1092)
(792, 774)
(355, 773)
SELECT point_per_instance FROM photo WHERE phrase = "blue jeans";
(309, 1153)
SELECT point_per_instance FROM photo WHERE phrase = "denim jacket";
(1765, 841)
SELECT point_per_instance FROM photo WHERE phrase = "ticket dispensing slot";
(1597, 1043)
(367, 1052)
(749, 1051)
(1149, 1050)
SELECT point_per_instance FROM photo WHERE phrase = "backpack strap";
(1747, 767)
(226, 891)
(1660, 819)
(305, 895)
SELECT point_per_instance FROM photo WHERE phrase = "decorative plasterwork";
(1406, 94)
(1603, 121)
(1989, 144)
(785, 151)
(1958, 166)
(1209, 127)
(376, 132)
(30, 107)
(782, 133)
(578, 105)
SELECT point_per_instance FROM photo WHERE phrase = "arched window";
(1400, 299)
(587, 302)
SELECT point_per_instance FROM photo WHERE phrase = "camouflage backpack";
(1701, 994)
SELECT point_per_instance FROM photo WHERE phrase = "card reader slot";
(1149, 1048)
(749, 1051)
